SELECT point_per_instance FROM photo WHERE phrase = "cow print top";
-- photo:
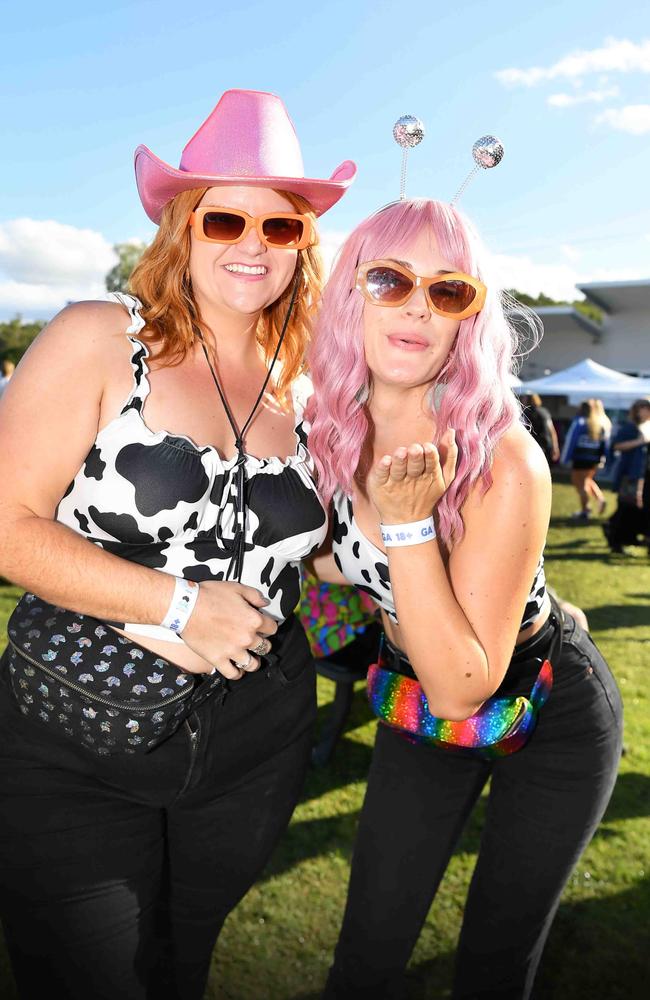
(159, 500)
(366, 566)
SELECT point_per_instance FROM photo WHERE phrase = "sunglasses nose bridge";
(418, 299)
(253, 236)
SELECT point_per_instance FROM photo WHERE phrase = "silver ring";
(244, 666)
(262, 648)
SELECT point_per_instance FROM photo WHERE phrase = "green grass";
(278, 943)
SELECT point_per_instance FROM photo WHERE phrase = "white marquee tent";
(587, 379)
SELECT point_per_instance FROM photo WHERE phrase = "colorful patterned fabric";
(162, 501)
(366, 566)
(333, 615)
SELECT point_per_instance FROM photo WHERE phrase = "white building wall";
(624, 345)
(558, 349)
(626, 342)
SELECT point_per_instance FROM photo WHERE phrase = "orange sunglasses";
(279, 230)
(387, 283)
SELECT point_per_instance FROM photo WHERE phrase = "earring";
(435, 395)
(362, 393)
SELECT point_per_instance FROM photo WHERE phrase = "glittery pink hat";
(248, 139)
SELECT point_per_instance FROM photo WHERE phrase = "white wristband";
(182, 604)
(411, 533)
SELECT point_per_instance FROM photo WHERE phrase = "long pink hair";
(472, 392)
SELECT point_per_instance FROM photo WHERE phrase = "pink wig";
(473, 394)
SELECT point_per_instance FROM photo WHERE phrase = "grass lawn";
(278, 943)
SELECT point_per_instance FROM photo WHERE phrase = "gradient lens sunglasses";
(279, 230)
(453, 294)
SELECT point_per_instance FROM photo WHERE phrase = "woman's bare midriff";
(393, 633)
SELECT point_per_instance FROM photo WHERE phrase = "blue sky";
(83, 84)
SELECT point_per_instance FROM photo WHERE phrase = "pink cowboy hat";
(248, 139)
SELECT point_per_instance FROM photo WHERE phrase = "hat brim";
(158, 183)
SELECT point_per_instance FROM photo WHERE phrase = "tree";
(532, 301)
(586, 308)
(129, 254)
(16, 336)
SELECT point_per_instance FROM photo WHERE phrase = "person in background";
(570, 609)
(630, 443)
(646, 503)
(335, 618)
(538, 420)
(585, 449)
(605, 422)
(343, 630)
(7, 369)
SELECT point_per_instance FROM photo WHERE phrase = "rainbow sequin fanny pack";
(500, 727)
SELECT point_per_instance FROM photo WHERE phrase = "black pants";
(544, 805)
(626, 525)
(116, 874)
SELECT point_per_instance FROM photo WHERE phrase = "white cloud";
(329, 245)
(615, 56)
(633, 118)
(34, 250)
(38, 301)
(45, 264)
(556, 280)
(570, 252)
(589, 97)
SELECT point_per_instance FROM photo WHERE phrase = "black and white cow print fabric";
(365, 565)
(162, 501)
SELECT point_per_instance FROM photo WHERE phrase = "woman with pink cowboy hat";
(157, 693)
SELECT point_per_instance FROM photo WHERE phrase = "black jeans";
(544, 805)
(626, 524)
(116, 874)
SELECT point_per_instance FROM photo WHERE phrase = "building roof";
(618, 296)
(561, 319)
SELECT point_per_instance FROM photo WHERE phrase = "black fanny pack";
(88, 682)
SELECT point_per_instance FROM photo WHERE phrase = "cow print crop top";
(366, 566)
(159, 500)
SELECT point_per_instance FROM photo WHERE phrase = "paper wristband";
(410, 533)
(182, 604)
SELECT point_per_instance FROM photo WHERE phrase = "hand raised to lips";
(406, 485)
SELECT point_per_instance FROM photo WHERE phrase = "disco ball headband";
(408, 132)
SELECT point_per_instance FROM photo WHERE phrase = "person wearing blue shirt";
(584, 448)
(630, 444)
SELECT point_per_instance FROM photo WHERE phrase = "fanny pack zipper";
(91, 696)
(518, 718)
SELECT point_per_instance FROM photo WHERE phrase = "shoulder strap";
(139, 353)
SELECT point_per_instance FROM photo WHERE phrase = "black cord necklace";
(238, 544)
